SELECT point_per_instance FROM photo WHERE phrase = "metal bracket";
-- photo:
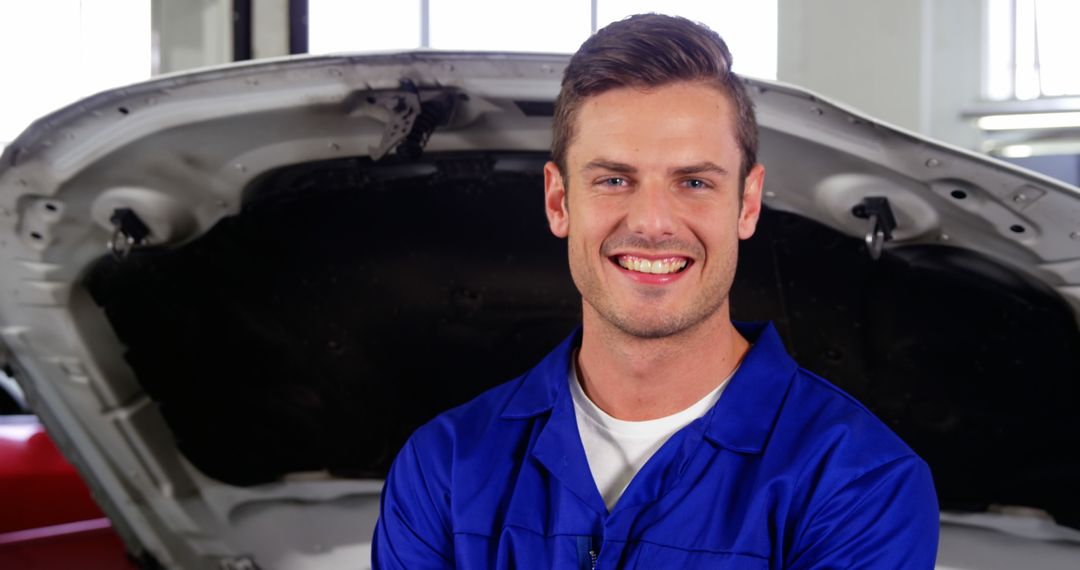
(877, 210)
(410, 114)
(401, 109)
(129, 232)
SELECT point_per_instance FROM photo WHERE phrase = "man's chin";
(650, 329)
(647, 320)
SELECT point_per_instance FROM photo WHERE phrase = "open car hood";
(232, 294)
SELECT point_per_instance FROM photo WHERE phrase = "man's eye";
(696, 184)
(613, 181)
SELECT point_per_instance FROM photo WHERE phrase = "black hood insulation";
(350, 301)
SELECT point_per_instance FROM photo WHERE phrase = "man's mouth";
(662, 266)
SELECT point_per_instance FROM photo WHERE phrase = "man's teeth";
(657, 266)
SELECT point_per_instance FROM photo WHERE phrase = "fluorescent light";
(1017, 151)
(1021, 121)
(1037, 148)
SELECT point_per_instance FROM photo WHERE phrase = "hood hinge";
(410, 116)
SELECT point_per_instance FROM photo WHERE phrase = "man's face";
(650, 207)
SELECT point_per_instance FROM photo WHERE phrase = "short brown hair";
(651, 50)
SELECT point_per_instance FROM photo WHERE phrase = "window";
(1030, 79)
(351, 25)
(1031, 49)
(750, 28)
(54, 53)
(546, 26)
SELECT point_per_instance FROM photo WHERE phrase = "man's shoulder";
(491, 426)
(469, 420)
(837, 427)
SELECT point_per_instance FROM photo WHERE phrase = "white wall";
(190, 34)
(198, 33)
(270, 28)
(913, 63)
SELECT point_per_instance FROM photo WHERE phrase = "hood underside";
(339, 248)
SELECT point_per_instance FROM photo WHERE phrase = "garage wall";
(916, 64)
(197, 33)
(867, 53)
(190, 34)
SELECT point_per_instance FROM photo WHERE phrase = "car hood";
(231, 294)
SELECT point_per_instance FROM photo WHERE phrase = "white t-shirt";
(617, 449)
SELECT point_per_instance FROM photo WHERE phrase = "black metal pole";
(298, 26)
(241, 26)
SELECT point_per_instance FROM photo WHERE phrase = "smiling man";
(660, 435)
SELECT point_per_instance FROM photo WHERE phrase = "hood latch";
(129, 232)
(877, 211)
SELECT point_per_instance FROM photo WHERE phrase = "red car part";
(48, 519)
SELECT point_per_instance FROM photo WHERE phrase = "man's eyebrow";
(611, 165)
(699, 168)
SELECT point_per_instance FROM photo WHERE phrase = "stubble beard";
(707, 304)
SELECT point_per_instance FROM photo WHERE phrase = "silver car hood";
(179, 151)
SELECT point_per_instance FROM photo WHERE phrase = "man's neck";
(637, 379)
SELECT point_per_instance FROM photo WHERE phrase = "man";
(660, 435)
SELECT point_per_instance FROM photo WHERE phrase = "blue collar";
(741, 421)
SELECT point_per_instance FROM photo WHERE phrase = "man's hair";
(646, 51)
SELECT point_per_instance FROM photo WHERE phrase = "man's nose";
(652, 210)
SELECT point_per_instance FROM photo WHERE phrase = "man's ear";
(555, 205)
(751, 201)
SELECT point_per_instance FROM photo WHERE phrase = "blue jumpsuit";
(785, 471)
